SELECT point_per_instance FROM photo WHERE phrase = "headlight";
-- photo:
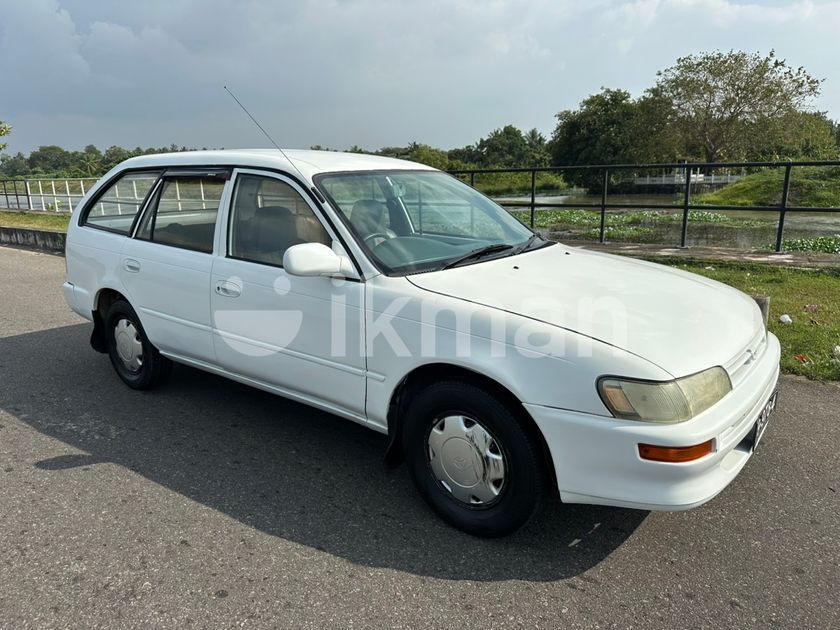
(665, 402)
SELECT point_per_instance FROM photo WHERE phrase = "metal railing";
(46, 195)
(683, 172)
(60, 195)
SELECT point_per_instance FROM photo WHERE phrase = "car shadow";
(283, 468)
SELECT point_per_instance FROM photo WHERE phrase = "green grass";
(496, 184)
(812, 186)
(812, 334)
(37, 220)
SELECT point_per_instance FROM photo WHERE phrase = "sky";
(371, 73)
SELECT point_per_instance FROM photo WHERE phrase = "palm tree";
(535, 139)
(90, 164)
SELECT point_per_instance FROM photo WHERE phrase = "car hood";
(682, 322)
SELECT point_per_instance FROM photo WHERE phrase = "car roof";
(308, 162)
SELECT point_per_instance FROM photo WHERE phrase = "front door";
(302, 336)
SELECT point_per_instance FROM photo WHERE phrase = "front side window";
(183, 213)
(412, 221)
(267, 217)
(116, 208)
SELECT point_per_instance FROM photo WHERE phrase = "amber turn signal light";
(674, 454)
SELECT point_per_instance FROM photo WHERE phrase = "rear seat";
(197, 236)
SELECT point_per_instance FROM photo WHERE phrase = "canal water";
(740, 229)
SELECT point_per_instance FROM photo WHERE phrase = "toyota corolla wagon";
(502, 366)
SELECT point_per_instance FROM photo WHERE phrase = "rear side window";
(183, 213)
(116, 208)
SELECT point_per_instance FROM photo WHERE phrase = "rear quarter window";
(116, 207)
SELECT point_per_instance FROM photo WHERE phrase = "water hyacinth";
(825, 244)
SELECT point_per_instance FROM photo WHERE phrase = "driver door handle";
(228, 289)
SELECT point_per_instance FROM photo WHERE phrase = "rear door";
(166, 267)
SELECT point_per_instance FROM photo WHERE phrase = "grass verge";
(35, 220)
(808, 343)
(810, 186)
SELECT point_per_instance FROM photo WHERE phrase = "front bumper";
(596, 458)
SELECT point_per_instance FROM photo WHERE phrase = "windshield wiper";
(478, 253)
(528, 243)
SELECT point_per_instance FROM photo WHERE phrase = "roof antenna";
(276, 146)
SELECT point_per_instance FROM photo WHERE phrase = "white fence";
(48, 195)
(673, 179)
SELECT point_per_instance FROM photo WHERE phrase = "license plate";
(764, 418)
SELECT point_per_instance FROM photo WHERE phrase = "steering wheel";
(381, 235)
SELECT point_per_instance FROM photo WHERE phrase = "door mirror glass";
(315, 259)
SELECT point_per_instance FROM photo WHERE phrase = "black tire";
(155, 367)
(525, 479)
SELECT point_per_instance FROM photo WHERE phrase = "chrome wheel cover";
(466, 460)
(129, 346)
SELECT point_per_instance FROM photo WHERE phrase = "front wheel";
(136, 361)
(471, 459)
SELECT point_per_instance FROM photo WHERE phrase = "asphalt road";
(211, 505)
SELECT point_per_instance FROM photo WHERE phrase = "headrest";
(366, 215)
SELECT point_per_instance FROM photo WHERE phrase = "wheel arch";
(429, 373)
(105, 297)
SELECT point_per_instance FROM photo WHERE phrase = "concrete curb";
(33, 239)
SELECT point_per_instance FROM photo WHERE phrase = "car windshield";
(411, 221)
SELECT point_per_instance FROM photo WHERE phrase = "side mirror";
(316, 259)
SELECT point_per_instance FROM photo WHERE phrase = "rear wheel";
(136, 361)
(471, 459)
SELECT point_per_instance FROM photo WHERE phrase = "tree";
(90, 161)
(14, 166)
(538, 154)
(50, 160)
(535, 139)
(402, 153)
(5, 130)
(430, 156)
(505, 147)
(653, 137)
(730, 106)
(802, 135)
(114, 155)
(467, 155)
(600, 131)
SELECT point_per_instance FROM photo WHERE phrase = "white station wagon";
(501, 365)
